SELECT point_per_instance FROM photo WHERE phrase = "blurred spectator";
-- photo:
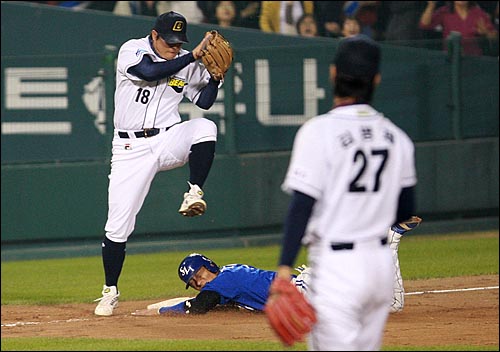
(144, 8)
(75, 5)
(496, 17)
(282, 16)
(155, 8)
(189, 9)
(366, 12)
(465, 17)
(246, 15)
(350, 27)
(307, 26)
(225, 13)
(78, 5)
(329, 17)
(101, 5)
(207, 8)
(72, 4)
(402, 20)
(489, 7)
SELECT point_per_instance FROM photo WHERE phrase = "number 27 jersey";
(354, 162)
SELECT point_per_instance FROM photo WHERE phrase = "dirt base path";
(459, 317)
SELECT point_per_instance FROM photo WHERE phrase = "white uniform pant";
(136, 161)
(351, 291)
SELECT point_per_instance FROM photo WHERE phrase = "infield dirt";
(431, 319)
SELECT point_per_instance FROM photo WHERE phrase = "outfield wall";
(57, 96)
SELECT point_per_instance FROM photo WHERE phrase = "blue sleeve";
(406, 205)
(151, 71)
(178, 308)
(299, 212)
(208, 94)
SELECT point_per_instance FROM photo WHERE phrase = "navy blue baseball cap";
(358, 57)
(172, 26)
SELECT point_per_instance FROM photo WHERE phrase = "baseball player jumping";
(153, 76)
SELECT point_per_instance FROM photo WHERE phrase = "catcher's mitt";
(289, 313)
(217, 55)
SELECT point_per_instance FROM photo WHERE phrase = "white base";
(168, 303)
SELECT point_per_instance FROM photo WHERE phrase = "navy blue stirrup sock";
(200, 161)
(113, 256)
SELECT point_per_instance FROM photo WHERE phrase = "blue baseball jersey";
(242, 284)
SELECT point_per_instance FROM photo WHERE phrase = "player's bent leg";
(201, 156)
(197, 146)
(394, 237)
(398, 296)
(398, 288)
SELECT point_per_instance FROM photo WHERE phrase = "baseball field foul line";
(454, 290)
(20, 323)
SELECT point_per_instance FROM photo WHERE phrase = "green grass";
(79, 280)
(87, 344)
(425, 257)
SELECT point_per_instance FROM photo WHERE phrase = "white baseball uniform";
(354, 162)
(140, 105)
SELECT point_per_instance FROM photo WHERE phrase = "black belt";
(337, 246)
(147, 132)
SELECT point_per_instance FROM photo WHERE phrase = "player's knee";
(117, 236)
(206, 128)
(210, 126)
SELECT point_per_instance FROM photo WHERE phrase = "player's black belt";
(145, 133)
(337, 246)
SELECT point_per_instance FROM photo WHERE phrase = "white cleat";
(193, 203)
(108, 301)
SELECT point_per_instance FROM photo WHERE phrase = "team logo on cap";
(177, 27)
(185, 270)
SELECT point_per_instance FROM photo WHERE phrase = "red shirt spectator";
(463, 17)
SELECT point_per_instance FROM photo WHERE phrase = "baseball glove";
(289, 313)
(217, 55)
(407, 225)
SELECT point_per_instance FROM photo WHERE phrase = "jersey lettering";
(176, 82)
(361, 159)
(346, 139)
(366, 133)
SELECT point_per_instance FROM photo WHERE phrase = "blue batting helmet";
(192, 263)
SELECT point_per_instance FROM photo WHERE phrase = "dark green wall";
(243, 193)
(54, 187)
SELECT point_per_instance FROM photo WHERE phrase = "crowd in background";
(381, 20)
